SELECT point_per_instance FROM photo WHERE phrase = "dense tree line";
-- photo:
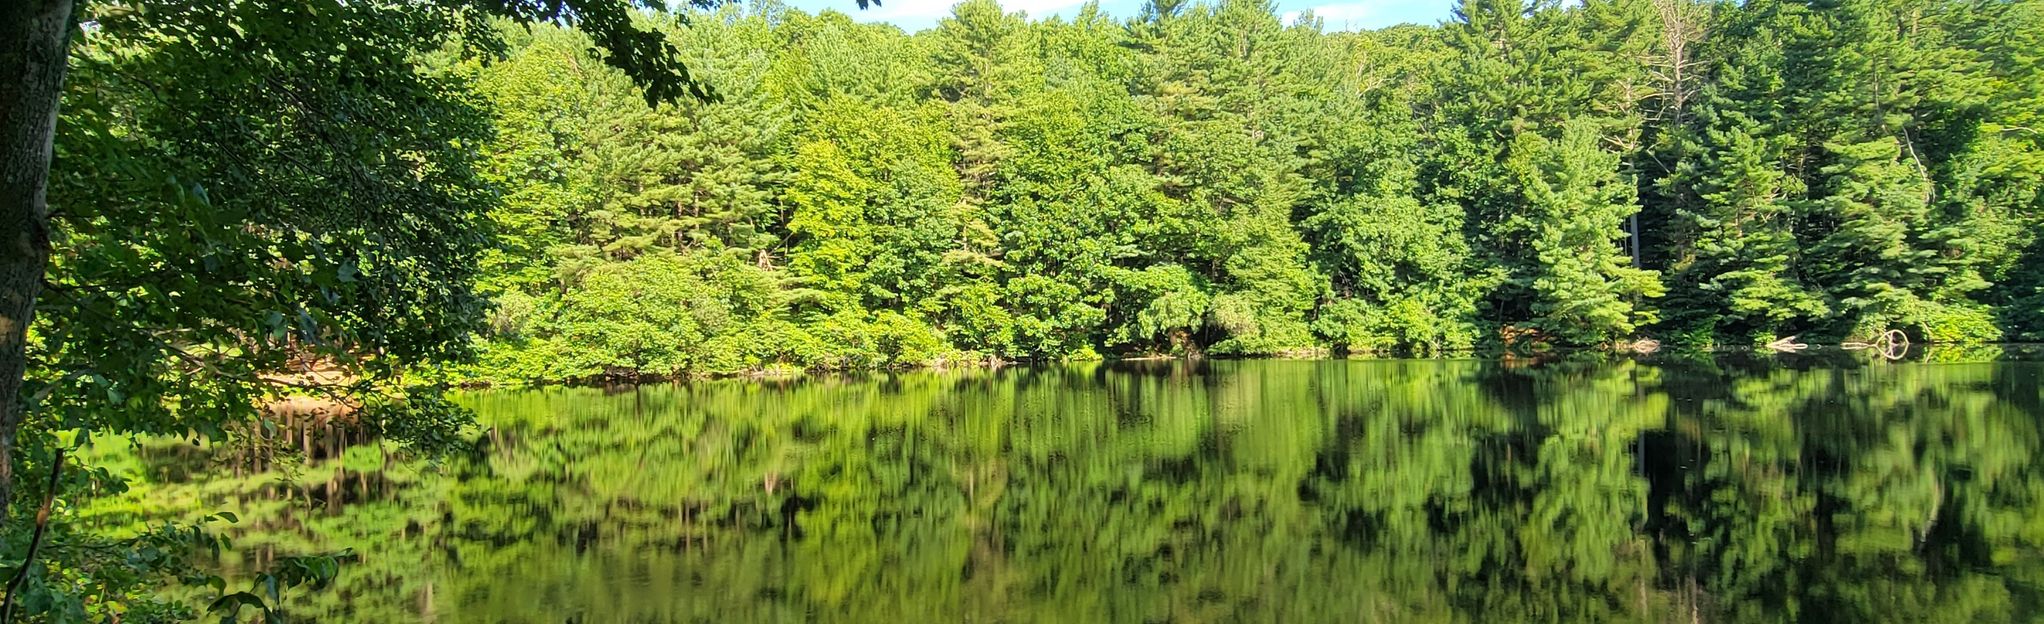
(1210, 178)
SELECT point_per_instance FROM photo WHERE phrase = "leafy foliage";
(255, 204)
(1205, 178)
(244, 191)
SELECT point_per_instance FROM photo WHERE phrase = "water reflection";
(1741, 489)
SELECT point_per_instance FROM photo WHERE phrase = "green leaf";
(231, 604)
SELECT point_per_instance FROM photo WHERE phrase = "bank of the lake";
(482, 375)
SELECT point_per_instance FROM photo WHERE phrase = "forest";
(826, 194)
(208, 208)
(1207, 178)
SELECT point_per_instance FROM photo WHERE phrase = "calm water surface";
(1818, 487)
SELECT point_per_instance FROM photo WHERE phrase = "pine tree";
(1744, 251)
(1888, 247)
(1871, 260)
(1585, 286)
(1732, 251)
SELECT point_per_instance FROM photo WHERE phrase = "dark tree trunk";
(34, 35)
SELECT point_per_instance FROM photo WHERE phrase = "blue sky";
(1338, 14)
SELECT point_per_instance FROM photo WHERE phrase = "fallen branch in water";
(1787, 345)
(1893, 344)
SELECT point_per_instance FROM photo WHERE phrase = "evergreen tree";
(1585, 288)
(1871, 259)
(1733, 255)
(1207, 178)
(1744, 252)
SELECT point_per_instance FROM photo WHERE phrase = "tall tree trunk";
(34, 35)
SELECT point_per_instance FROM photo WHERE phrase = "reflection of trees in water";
(1704, 490)
(1861, 493)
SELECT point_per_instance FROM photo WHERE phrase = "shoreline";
(1503, 356)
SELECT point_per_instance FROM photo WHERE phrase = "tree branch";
(42, 523)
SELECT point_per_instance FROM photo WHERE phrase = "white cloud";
(1346, 15)
(1041, 8)
(916, 11)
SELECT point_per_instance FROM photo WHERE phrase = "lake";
(1823, 486)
